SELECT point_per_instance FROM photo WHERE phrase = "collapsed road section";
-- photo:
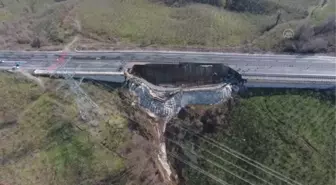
(163, 89)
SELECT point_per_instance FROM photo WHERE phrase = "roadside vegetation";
(291, 132)
(226, 25)
(153, 24)
(43, 140)
(325, 9)
(36, 24)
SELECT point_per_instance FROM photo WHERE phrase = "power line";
(209, 175)
(213, 177)
(241, 178)
(249, 161)
(213, 163)
(87, 107)
(236, 166)
(243, 157)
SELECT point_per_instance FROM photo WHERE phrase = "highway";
(253, 67)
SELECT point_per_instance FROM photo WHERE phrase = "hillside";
(239, 25)
(51, 136)
(288, 131)
(44, 140)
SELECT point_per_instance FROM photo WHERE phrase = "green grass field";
(43, 141)
(321, 13)
(292, 133)
(146, 23)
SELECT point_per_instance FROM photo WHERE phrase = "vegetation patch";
(290, 132)
(49, 144)
(146, 23)
(323, 12)
(72, 160)
(239, 25)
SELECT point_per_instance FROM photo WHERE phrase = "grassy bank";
(43, 140)
(291, 132)
(145, 23)
(323, 12)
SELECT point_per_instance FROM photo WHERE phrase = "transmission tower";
(88, 109)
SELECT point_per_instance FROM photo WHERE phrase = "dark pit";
(186, 74)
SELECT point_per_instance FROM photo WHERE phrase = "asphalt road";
(249, 65)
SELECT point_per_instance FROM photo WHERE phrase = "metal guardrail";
(288, 75)
(91, 73)
(290, 79)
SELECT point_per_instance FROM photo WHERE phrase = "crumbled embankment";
(163, 109)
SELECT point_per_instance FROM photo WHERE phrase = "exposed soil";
(200, 119)
(142, 150)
